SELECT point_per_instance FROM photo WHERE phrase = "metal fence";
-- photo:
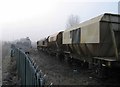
(27, 70)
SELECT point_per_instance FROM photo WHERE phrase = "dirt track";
(59, 73)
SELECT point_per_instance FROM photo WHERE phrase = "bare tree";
(72, 21)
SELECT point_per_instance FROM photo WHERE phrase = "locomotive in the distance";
(96, 42)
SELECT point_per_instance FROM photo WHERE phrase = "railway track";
(60, 73)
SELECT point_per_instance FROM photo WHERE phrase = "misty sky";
(39, 18)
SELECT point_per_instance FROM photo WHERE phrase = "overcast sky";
(39, 18)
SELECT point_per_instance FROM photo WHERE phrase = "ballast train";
(96, 41)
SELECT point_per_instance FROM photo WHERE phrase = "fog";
(39, 18)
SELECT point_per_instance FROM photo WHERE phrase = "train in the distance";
(24, 44)
(96, 42)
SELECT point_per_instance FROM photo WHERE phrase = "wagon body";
(55, 42)
(42, 44)
(98, 37)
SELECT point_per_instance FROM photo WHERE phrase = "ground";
(57, 72)
(60, 73)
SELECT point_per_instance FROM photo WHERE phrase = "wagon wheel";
(100, 71)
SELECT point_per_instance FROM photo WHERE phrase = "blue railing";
(26, 68)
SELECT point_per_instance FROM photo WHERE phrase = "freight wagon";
(95, 42)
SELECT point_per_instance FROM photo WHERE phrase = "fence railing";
(27, 70)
